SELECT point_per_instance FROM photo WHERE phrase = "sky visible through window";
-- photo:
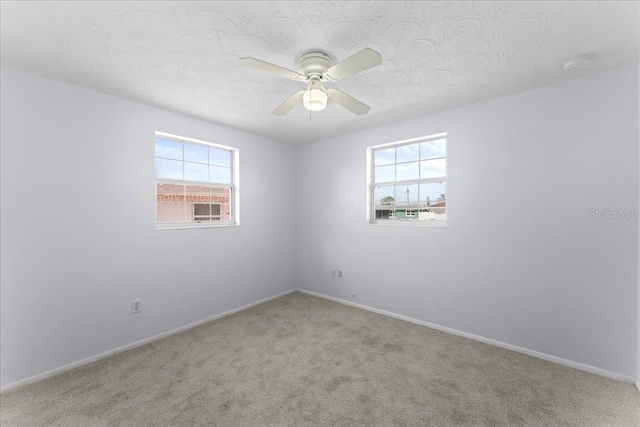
(180, 161)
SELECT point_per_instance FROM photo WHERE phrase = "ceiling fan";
(315, 68)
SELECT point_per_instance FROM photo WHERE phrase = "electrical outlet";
(135, 306)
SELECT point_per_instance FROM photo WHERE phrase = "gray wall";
(521, 260)
(78, 227)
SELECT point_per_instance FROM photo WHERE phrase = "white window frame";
(371, 184)
(233, 187)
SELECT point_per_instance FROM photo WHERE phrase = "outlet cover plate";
(136, 306)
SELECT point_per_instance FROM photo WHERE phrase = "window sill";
(192, 225)
(409, 223)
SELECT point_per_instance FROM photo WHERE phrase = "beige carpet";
(303, 361)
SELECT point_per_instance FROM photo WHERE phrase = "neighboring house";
(175, 204)
(437, 211)
(412, 211)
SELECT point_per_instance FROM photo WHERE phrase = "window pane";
(407, 195)
(433, 200)
(384, 201)
(168, 148)
(171, 192)
(397, 202)
(170, 202)
(408, 153)
(195, 172)
(222, 198)
(196, 194)
(384, 195)
(219, 175)
(220, 195)
(433, 168)
(168, 169)
(405, 171)
(432, 193)
(432, 149)
(196, 153)
(384, 157)
(385, 173)
(219, 157)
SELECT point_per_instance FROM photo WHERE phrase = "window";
(196, 183)
(408, 182)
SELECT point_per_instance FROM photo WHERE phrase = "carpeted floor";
(304, 361)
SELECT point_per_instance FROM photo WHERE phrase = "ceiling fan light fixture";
(315, 69)
(314, 99)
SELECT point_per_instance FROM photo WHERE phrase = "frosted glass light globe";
(314, 99)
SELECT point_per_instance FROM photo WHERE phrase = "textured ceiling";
(183, 55)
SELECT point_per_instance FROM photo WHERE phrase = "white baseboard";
(560, 361)
(79, 363)
(543, 356)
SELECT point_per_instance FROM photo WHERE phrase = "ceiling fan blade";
(357, 62)
(348, 101)
(270, 68)
(288, 104)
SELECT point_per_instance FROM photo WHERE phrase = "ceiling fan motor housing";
(314, 63)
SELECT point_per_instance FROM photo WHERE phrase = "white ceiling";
(183, 55)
